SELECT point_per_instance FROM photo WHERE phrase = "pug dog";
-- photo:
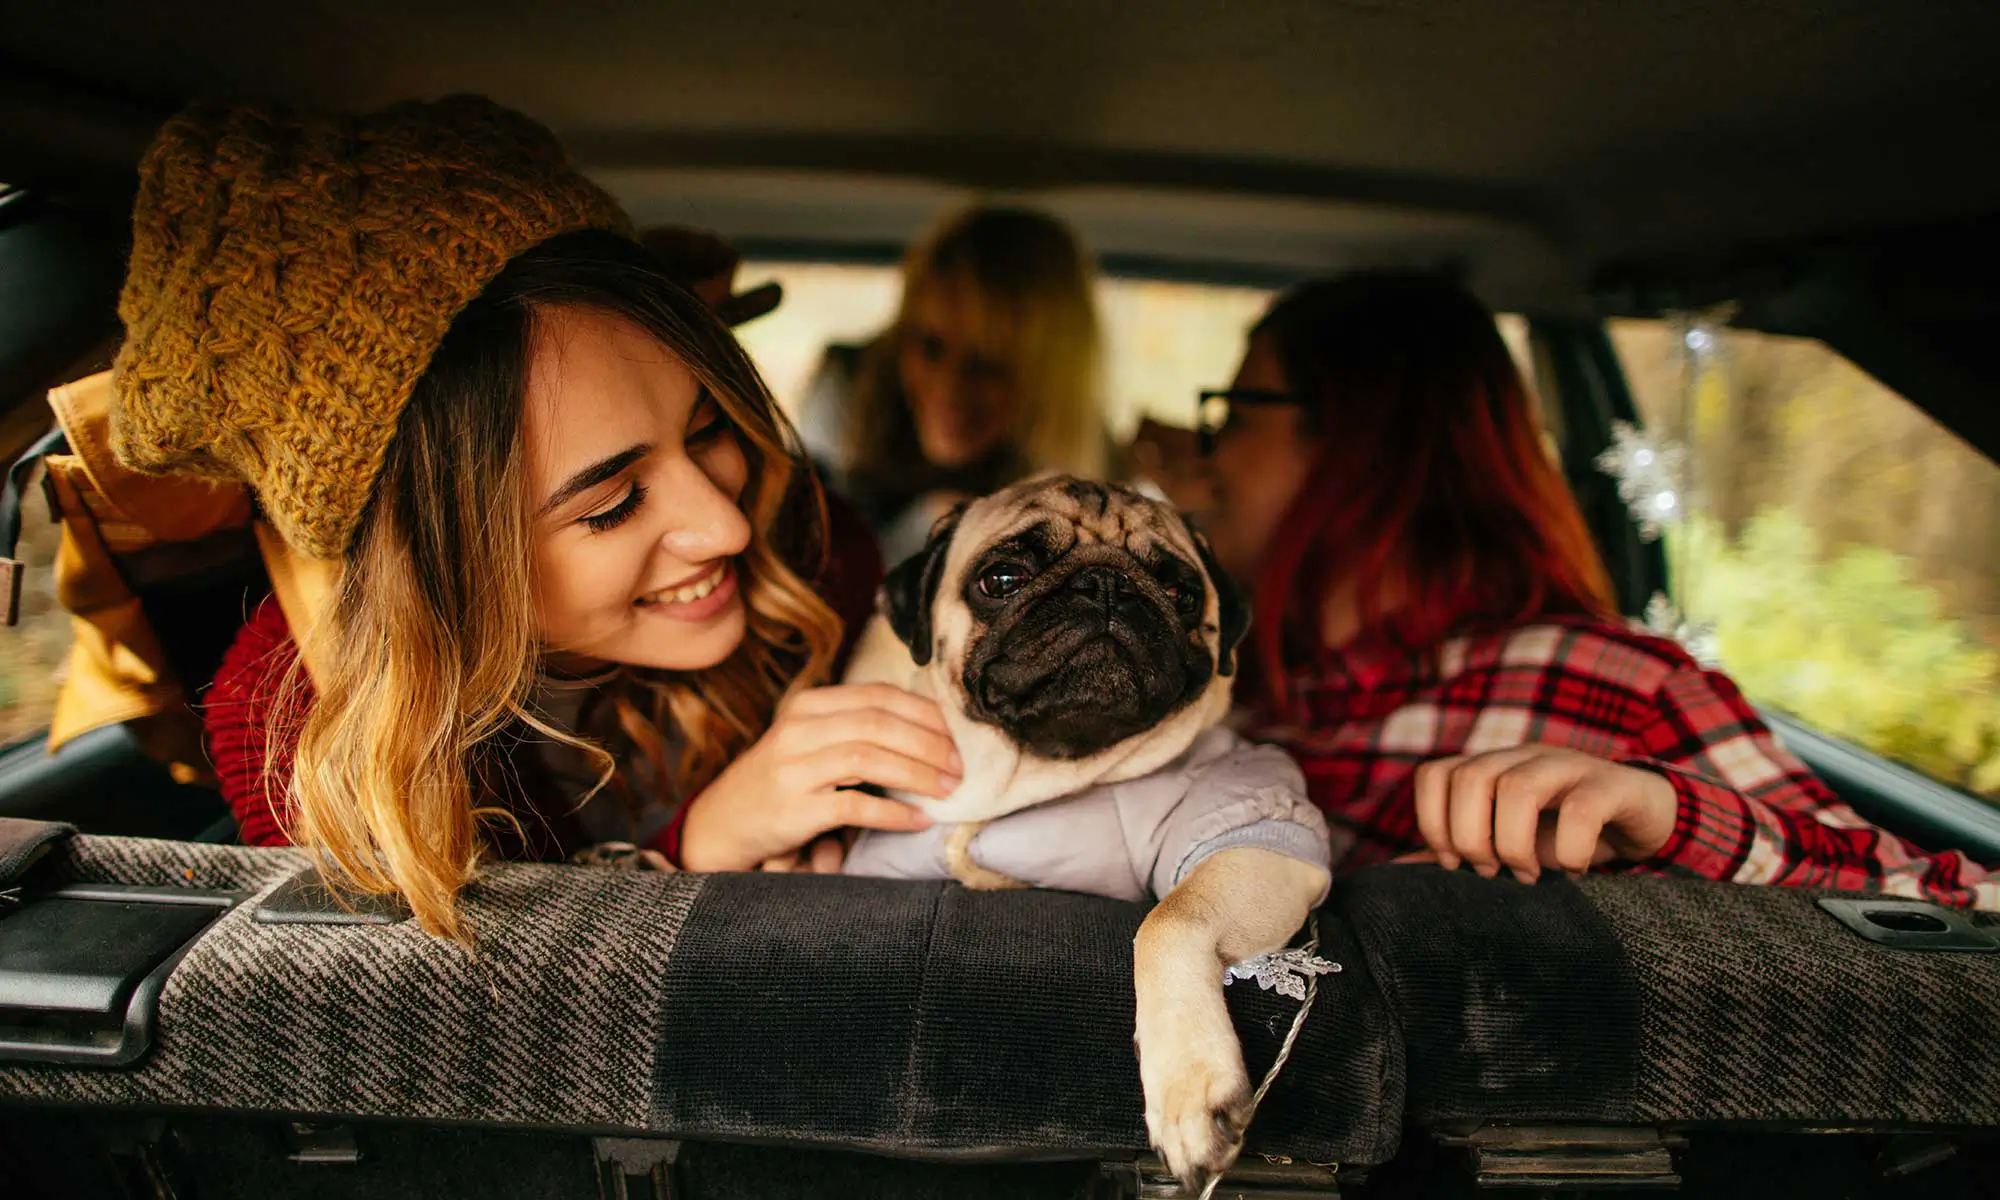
(1081, 642)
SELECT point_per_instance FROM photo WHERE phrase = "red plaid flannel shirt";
(1749, 811)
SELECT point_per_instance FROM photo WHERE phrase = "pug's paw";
(1197, 1093)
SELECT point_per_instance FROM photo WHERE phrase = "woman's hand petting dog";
(1531, 807)
(771, 807)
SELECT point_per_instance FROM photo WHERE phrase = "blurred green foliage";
(1848, 642)
(1844, 545)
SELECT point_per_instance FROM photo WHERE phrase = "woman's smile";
(703, 599)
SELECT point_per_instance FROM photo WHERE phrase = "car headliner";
(1531, 144)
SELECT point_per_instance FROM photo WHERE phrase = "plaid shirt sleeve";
(1750, 812)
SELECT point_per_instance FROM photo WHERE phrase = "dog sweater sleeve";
(1238, 795)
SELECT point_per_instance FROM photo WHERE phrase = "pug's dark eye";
(1002, 580)
(1186, 599)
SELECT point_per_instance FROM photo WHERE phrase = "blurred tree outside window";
(1843, 546)
(32, 653)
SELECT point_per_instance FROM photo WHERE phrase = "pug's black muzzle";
(1090, 652)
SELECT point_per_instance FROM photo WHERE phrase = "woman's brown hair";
(1432, 467)
(425, 665)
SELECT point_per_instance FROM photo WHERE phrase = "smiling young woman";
(573, 545)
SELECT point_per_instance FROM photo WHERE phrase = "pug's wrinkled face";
(1072, 616)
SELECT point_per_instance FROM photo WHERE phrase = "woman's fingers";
(825, 855)
(863, 811)
(1484, 809)
(823, 828)
(1433, 793)
(1520, 795)
(850, 696)
(880, 727)
(1470, 796)
(1545, 841)
(1470, 817)
(1580, 825)
(845, 763)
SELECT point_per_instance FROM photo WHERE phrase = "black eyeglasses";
(1214, 405)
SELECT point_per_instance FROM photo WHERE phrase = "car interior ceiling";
(1570, 162)
(1565, 159)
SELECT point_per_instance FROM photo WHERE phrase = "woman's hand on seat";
(1531, 807)
(770, 807)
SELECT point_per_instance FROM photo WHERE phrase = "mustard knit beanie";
(292, 275)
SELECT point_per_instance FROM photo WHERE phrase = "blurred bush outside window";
(1843, 546)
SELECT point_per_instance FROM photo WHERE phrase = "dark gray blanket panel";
(550, 1023)
(1514, 1001)
(925, 1016)
(1757, 1006)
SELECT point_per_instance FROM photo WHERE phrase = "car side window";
(31, 665)
(1835, 548)
(1163, 339)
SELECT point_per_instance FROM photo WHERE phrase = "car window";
(1163, 339)
(34, 650)
(824, 304)
(1836, 549)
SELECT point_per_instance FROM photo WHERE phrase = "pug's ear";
(1232, 606)
(909, 590)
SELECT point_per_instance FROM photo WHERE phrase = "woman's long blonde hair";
(1030, 283)
(405, 767)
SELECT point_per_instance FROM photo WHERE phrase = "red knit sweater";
(238, 707)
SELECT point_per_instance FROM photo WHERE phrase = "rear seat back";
(933, 1022)
(835, 1011)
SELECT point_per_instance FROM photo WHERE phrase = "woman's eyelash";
(613, 517)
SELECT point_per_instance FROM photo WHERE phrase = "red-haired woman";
(1435, 638)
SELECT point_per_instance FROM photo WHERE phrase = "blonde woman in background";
(990, 372)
